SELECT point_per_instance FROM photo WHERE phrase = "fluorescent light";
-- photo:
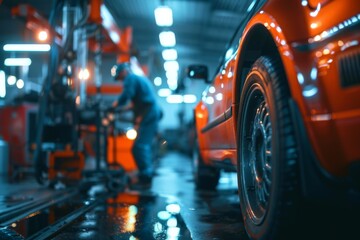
(164, 92)
(2, 84)
(17, 62)
(173, 208)
(157, 81)
(171, 66)
(172, 232)
(11, 80)
(163, 16)
(172, 75)
(174, 98)
(114, 37)
(84, 74)
(172, 83)
(189, 98)
(20, 83)
(27, 47)
(131, 134)
(107, 19)
(169, 54)
(43, 35)
(167, 39)
(109, 24)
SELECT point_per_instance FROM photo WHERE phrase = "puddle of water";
(45, 217)
(130, 216)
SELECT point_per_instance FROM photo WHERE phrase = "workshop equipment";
(85, 27)
(66, 166)
(4, 157)
(18, 129)
(119, 152)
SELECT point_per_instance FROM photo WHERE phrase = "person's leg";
(142, 148)
(143, 157)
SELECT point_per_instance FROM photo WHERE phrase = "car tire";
(205, 177)
(268, 176)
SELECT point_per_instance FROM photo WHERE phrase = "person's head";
(120, 71)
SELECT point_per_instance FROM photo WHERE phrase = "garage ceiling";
(202, 27)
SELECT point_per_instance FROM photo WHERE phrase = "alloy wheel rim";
(256, 153)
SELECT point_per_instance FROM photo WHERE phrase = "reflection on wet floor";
(207, 214)
(130, 216)
(172, 209)
(41, 219)
(121, 216)
(7, 201)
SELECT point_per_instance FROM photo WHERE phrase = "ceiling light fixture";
(109, 24)
(114, 36)
(157, 81)
(43, 35)
(169, 54)
(84, 74)
(172, 75)
(27, 47)
(11, 80)
(190, 98)
(167, 39)
(2, 84)
(171, 66)
(131, 134)
(17, 62)
(172, 84)
(175, 98)
(20, 83)
(163, 16)
(164, 92)
(107, 19)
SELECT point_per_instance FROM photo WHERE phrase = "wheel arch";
(258, 42)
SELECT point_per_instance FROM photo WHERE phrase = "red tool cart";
(18, 128)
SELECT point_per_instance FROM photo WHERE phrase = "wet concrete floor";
(171, 209)
(207, 214)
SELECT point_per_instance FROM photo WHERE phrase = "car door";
(227, 91)
(213, 101)
(218, 99)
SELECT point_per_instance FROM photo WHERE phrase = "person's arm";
(127, 93)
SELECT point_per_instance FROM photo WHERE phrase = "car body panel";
(304, 63)
(309, 46)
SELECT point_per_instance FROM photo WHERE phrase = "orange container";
(122, 152)
(66, 163)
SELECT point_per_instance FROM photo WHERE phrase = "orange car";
(284, 111)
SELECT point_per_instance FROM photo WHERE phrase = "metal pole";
(97, 137)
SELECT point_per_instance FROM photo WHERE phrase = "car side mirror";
(198, 72)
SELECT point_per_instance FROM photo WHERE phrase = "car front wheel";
(267, 154)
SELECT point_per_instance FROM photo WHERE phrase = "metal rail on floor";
(17, 214)
(19, 211)
(53, 229)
